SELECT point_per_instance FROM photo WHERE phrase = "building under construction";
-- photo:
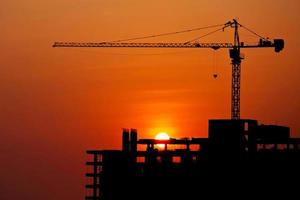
(238, 156)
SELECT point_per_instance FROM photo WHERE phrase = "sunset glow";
(57, 102)
(162, 136)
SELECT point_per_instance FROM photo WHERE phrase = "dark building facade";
(239, 156)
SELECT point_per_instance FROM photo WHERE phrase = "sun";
(162, 136)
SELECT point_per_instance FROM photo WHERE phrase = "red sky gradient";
(57, 103)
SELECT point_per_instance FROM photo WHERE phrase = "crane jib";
(144, 45)
(277, 43)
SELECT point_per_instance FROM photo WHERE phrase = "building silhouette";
(239, 158)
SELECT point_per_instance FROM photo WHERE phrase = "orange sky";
(56, 103)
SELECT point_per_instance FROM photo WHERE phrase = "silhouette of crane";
(234, 51)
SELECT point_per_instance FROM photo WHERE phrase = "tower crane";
(234, 51)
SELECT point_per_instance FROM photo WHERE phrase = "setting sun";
(162, 136)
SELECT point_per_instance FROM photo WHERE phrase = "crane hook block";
(279, 45)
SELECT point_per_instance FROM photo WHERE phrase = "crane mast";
(234, 53)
